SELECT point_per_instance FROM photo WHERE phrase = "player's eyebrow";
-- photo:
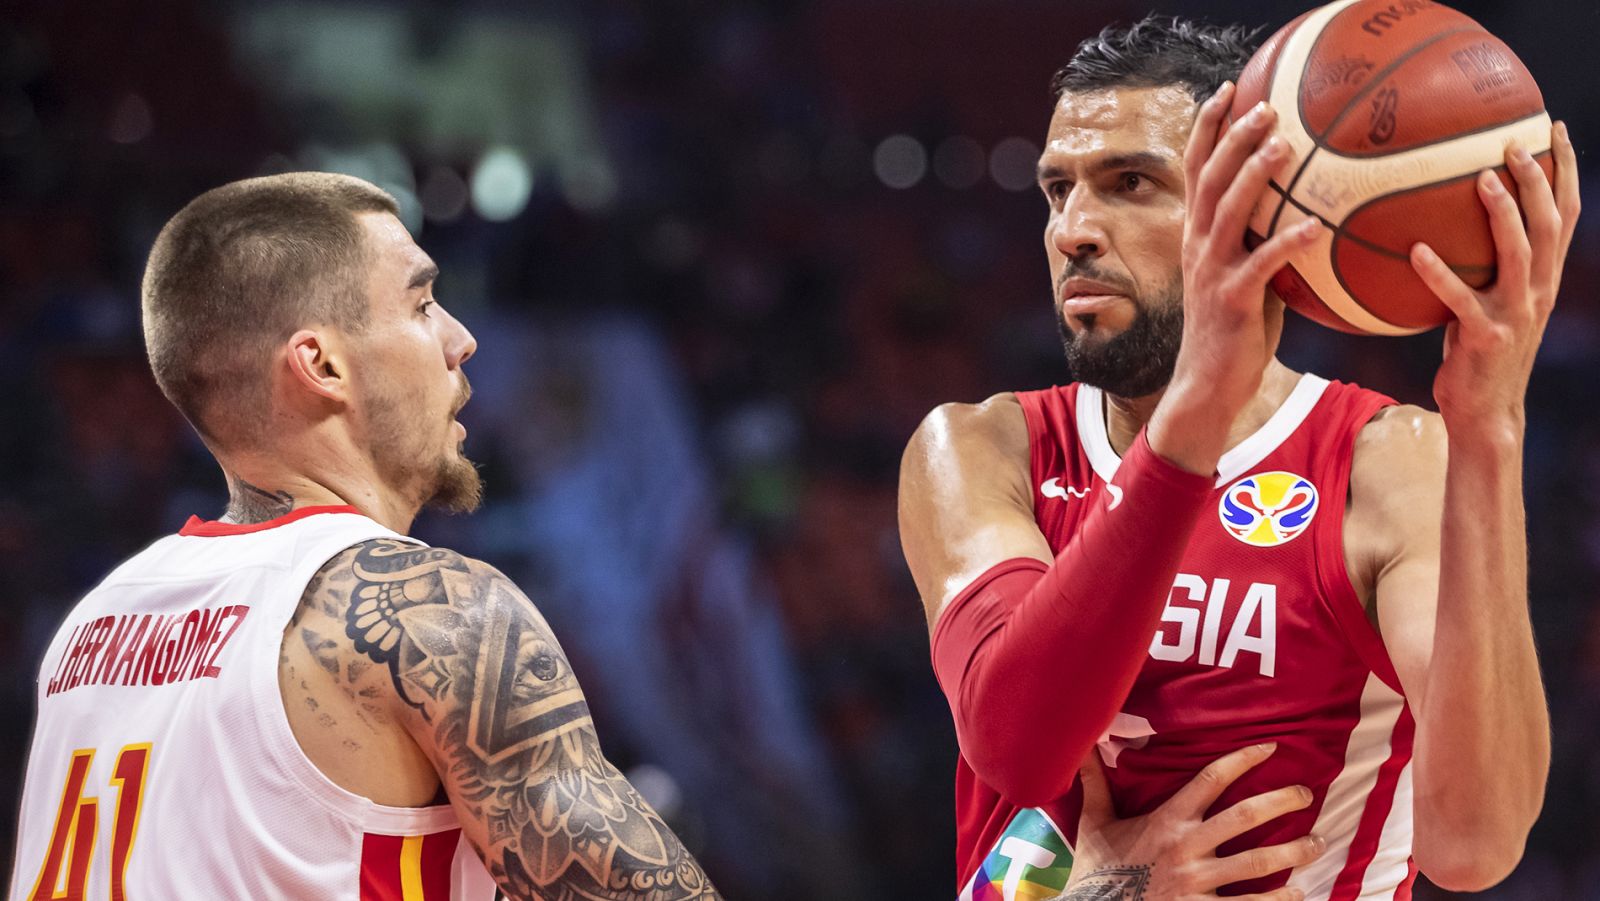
(423, 276)
(1142, 159)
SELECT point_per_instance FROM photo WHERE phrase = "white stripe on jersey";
(1392, 863)
(1343, 809)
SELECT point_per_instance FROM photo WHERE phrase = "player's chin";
(457, 487)
(1102, 323)
(1096, 333)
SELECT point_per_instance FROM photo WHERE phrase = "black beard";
(1139, 361)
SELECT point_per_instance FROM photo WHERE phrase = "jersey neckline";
(216, 528)
(1234, 463)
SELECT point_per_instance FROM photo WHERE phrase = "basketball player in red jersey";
(1194, 549)
(297, 701)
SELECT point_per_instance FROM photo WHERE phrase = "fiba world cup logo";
(1269, 508)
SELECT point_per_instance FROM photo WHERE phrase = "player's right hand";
(1227, 341)
(1171, 852)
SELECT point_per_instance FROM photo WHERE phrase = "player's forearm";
(1034, 661)
(1483, 731)
(541, 840)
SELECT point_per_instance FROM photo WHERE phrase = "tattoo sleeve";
(1110, 884)
(494, 702)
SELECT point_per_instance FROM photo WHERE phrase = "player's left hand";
(1489, 348)
(1170, 853)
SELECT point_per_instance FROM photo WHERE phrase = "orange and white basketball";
(1390, 110)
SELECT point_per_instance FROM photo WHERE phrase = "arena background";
(721, 258)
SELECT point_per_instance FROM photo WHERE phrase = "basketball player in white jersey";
(298, 701)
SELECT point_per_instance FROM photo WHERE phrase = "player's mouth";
(1081, 305)
(1082, 297)
(463, 394)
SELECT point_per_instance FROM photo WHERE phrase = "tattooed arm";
(484, 689)
(1110, 884)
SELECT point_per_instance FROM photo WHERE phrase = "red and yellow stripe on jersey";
(407, 867)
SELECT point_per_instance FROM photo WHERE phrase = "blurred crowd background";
(720, 257)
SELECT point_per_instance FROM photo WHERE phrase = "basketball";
(1390, 110)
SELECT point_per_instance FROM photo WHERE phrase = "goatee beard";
(1138, 361)
(457, 488)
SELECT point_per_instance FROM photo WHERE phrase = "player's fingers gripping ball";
(1390, 110)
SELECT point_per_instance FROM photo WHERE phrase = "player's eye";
(425, 305)
(1056, 191)
(1132, 181)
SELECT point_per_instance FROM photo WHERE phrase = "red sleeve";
(1036, 660)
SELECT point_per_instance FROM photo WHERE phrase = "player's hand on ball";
(1224, 283)
(1489, 348)
(1170, 853)
(1226, 338)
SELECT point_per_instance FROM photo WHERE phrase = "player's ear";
(316, 364)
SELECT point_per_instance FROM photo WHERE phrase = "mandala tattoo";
(1110, 884)
(496, 698)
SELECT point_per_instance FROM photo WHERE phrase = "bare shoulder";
(957, 432)
(961, 447)
(341, 704)
(1400, 447)
(342, 655)
(1396, 495)
(965, 501)
(397, 601)
(483, 688)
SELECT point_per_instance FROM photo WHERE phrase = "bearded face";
(457, 487)
(421, 450)
(1111, 173)
(1139, 359)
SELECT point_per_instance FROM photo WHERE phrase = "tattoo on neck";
(248, 504)
(1111, 884)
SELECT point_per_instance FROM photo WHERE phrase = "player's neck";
(259, 491)
(1126, 416)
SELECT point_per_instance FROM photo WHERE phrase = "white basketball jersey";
(163, 765)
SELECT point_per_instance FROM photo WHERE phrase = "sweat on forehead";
(1122, 121)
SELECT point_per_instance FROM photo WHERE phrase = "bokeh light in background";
(720, 258)
(900, 161)
(501, 185)
(958, 162)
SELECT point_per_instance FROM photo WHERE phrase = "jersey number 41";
(78, 822)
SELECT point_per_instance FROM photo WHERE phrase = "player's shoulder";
(425, 572)
(391, 553)
(1399, 462)
(388, 600)
(1401, 433)
(959, 430)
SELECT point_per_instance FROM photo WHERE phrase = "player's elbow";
(1017, 770)
(1022, 787)
(1469, 863)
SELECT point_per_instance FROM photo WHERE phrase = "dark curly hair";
(1157, 51)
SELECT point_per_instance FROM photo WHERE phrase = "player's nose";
(1079, 230)
(459, 343)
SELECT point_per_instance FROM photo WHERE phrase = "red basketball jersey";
(1262, 639)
